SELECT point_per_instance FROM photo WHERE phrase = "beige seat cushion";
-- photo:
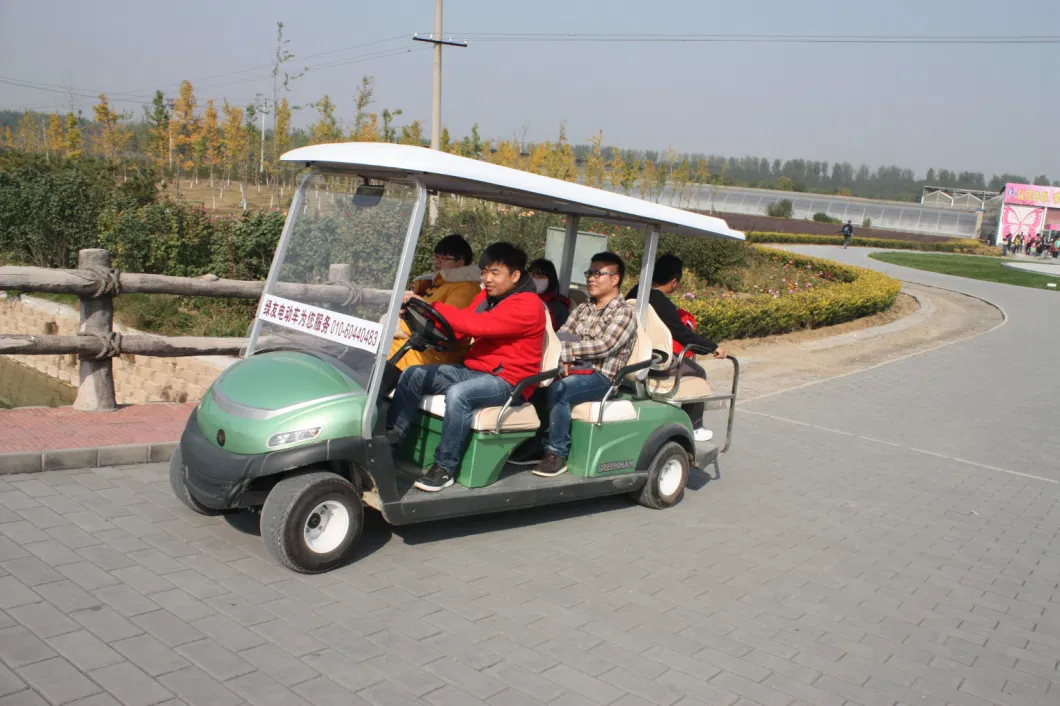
(615, 411)
(691, 388)
(518, 418)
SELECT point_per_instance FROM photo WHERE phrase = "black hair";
(667, 267)
(612, 259)
(454, 245)
(506, 254)
(541, 266)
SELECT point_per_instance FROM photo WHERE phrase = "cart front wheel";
(667, 478)
(311, 522)
(180, 487)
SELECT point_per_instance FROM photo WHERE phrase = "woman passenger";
(546, 281)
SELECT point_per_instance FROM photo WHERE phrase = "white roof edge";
(447, 172)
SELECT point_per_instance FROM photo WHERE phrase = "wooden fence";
(96, 284)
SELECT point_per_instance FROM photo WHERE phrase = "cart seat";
(691, 388)
(521, 417)
(618, 410)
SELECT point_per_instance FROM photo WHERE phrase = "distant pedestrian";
(848, 234)
(1006, 244)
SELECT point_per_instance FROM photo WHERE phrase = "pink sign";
(1020, 220)
(1028, 195)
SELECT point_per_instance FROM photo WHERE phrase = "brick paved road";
(871, 541)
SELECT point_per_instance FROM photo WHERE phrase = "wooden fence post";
(96, 391)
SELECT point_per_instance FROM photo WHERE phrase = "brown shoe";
(552, 465)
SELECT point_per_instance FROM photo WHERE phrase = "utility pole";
(438, 42)
(436, 104)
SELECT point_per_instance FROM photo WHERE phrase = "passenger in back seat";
(666, 279)
(507, 322)
(595, 344)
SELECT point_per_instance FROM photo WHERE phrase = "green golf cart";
(294, 429)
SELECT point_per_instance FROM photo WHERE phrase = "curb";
(92, 457)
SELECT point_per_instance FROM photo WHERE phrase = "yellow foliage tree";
(561, 164)
(234, 143)
(445, 142)
(28, 133)
(211, 139)
(538, 159)
(186, 127)
(412, 134)
(326, 128)
(112, 136)
(618, 170)
(595, 167)
(365, 124)
(72, 142)
(55, 135)
(283, 127)
(648, 177)
(507, 154)
(6, 138)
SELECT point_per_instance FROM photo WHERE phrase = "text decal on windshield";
(331, 325)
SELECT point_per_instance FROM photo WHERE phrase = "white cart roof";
(449, 173)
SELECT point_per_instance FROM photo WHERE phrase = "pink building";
(1028, 210)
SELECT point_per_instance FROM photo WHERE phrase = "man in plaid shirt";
(596, 342)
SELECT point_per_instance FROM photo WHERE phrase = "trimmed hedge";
(966, 246)
(860, 292)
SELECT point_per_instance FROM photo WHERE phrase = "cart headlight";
(290, 437)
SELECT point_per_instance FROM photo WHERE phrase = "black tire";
(652, 494)
(289, 509)
(180, 488)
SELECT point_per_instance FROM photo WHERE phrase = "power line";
(585, 37)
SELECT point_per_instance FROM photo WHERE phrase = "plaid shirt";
(607, 336)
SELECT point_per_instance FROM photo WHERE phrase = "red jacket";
(509, 338)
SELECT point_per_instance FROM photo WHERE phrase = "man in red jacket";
(507, 322)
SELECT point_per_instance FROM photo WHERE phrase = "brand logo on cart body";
(614, 466)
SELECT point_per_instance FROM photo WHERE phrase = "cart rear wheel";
(311, 522)
(180, 488)
(667, 477)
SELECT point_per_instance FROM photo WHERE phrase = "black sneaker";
(529, 453)
(437, 478)
(552, 465)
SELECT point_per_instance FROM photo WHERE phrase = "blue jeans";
(554, 402)
(465, 391)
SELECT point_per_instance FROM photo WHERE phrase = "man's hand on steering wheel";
(428, 327)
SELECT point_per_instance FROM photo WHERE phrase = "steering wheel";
(429, 329)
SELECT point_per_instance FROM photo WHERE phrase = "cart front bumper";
(218, 478)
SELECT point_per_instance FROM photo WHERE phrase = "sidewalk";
(54, 438)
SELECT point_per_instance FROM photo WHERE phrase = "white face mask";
(541, 285)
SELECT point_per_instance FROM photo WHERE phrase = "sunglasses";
(592, 274)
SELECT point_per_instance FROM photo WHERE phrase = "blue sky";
(974, 107)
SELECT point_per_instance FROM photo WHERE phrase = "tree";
(72, 141)
(648, 177)
(561, 163)
(55, 135)
(210, 139)
(630, 175)
(930, 176)
(389, 133)
(281, 136)
(1041, 180)
(326, 128)
(445, 143)
(157, 119)
(412, 134)
(282, 57)
(507, 154)
(6, 138)
(185, 125)
(112, 137)
(235, 145)
(595, 168)
(538, 160)
(618, 169)
(365, 124)
(28, 133)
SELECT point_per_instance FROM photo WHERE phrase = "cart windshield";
(329, 290)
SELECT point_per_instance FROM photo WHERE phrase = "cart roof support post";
(647, 267)
(566, 263)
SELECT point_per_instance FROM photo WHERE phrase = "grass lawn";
(971, 266)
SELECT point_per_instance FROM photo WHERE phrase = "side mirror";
(368, 195)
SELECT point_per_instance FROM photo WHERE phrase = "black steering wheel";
(429, 329)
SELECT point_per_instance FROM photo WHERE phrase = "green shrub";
(861, 293)
(781, 209)
(822, 217)
(958, 245)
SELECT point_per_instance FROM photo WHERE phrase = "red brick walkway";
(47, 429)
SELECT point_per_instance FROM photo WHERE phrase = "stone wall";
(137, 379)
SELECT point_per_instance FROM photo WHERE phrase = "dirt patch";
(922, 318)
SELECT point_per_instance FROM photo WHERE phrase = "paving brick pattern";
(865, 544)
(42, 428)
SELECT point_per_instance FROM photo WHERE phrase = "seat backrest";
(659, 335)
(550, 356)
(577, 296)
(640, 353)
